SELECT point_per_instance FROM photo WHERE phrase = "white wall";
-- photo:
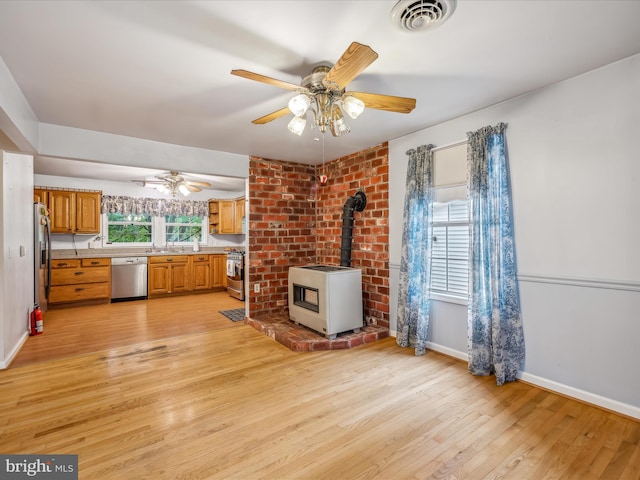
(63, 242)
(17, 258)
(79, 144)
(574, 169)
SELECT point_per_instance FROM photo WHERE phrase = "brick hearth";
(302, 339)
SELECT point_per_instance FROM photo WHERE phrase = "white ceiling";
(160, 70)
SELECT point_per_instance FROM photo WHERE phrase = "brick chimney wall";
(295, 221)
(368, 171)
(282, 230)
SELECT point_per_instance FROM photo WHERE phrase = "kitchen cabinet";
(239, 215)
(218, 271)
(40, 196)
(201, 272)
(74, 211)
(214, 218)
(226, 216)
(169, 274)
(79, 280)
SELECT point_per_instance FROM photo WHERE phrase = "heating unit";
(326, 298)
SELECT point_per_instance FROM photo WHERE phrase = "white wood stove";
(326, 298)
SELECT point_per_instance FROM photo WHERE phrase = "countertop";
(134, 252)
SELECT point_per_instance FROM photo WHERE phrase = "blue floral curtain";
(496, 340)
(153, 206)
(415, 277)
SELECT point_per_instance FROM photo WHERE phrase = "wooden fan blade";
(268, 80)
(386, 102)
(272, 116)
(353, 61)
(198, 184)
(192, 188)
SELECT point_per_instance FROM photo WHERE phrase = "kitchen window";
(131, 229)
(142, 230)
(183, 229)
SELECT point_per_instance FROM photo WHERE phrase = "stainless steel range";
(235, 274)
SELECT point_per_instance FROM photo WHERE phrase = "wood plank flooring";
(76, 330)
(231, 403)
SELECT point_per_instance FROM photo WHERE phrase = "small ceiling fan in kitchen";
(322, 94)
(174, 183)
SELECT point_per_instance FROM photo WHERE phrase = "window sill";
(443, 297)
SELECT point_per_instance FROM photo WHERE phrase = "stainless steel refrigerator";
(42, 254)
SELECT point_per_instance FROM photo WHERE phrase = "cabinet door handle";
(95, 263)
(79, 273)
(169, 259)
(79, 289)
(62, 264)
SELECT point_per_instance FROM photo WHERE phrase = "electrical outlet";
(256, 288)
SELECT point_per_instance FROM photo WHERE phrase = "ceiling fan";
(322, 93)
(173, 183)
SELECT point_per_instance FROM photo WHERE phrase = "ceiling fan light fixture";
(338, 126)
(352, 106)
(299, 104)
(183, 189)
(297, 124)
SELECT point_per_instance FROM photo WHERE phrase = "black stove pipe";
(355, 203)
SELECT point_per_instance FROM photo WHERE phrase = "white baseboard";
(587, 397)
(6, 362)
(448, 351)
(572, 392)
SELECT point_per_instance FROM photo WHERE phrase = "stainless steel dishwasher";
(128, 278)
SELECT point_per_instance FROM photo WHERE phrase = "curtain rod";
(449, 145)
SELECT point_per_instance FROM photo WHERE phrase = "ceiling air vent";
(420, 15)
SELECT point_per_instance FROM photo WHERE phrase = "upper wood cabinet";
(214, 218)
(226, 216)
(62, 211)
(40, 196)
(71, 211)
(87, 212)
(239, 215)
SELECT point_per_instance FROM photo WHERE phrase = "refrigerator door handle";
(47, 282)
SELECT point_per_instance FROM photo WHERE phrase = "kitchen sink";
(165, 250)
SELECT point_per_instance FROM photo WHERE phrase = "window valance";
(153, 206)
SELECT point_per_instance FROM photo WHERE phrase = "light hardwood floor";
(231, 403)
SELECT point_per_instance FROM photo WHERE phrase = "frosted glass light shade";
(353, 106)
(297, 124)
(183, 189)
(338, 125)
(299, 104)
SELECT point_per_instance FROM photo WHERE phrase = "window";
(147, 230)
(129, 229)
(450, 248)
(182, 229)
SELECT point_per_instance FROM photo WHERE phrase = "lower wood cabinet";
(169, 274)
(201, 272)
(218, 271)
(80, 279)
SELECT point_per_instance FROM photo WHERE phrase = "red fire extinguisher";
(37, 326)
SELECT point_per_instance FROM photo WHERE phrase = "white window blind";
(450, 248)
